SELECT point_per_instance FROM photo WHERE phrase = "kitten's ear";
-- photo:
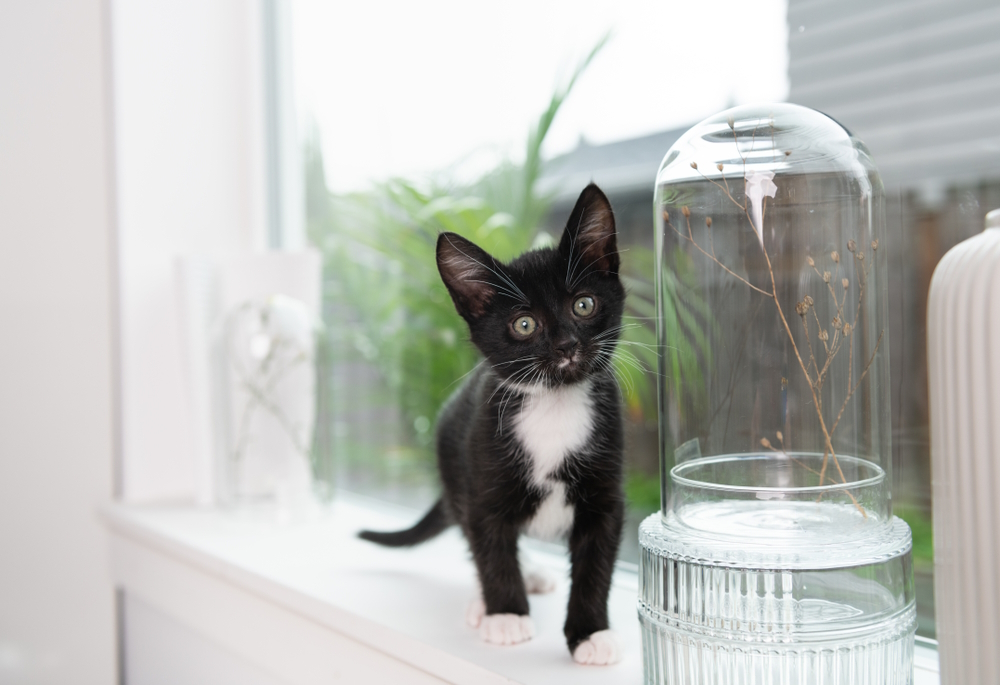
(589, 240)
(468, 272)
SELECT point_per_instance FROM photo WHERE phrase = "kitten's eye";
(584, 306)
(524, 326)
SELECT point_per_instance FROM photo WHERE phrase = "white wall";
(189, 136)
(56, 404)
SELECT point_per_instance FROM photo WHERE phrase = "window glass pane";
(442, 99)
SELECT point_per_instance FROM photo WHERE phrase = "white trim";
(285, 185)
(306, 600)
(297, 599)
(189, 172)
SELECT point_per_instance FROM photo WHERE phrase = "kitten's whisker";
(464, 375)
(623, 326)
(507, 279)
(499, 288)
(636, 363)
(607, 368)
(631, 359)
(652, 347)
(504, 398)
(614, 330)
(585, 271)
(502, 382)
(503, 404)
(496, 273)
(512, 381)
(621, 373)
(514, 361)
(645, 346)
(570, 267)
(630, 364)
(507, 396)
(626, 376)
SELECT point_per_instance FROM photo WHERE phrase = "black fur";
(434, 521)
(486, 473)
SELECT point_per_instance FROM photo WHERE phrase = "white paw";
(600, 649)
(539, 582)
(506, 629)
(474, 612)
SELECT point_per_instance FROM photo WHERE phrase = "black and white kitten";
(532, 442)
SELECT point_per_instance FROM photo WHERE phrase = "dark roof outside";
(619, 167)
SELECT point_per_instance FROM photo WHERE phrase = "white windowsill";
(308, 600)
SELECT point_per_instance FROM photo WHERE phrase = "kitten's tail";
(433, 523)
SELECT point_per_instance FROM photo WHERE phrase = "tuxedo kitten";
(532, 442)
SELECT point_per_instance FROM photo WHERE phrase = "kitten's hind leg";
(538, 581)
(475, 611)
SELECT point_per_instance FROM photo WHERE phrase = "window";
(440, 100)
(395, 348)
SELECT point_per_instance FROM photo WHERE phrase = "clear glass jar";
(776, 537)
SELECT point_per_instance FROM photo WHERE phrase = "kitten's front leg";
(593, 549)
(494, 548)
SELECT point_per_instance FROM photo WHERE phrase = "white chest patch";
(554, 517)
(552, 424)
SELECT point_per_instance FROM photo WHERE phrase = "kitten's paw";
(539, 582)
(474, 612)
(506, 629)
(600, 649)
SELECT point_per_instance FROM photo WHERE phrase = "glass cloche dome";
(776, 557)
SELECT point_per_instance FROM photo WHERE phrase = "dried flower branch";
(833, 341)
(265, 342)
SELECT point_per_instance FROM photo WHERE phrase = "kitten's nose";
(566, 345)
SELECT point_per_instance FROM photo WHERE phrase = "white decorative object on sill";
(269, 347)
(963, 356)
(776, 557)
(250, 325)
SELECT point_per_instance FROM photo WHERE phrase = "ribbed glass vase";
(776, 557)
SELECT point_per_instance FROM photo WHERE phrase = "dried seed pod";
(836, 322)
(801, 309)
(846, 283)
(731, 122)
(694, 165)
(826, 274)
(666, 216)
(835, 256)
(787, 152)
(780, 436)
(824, 336)
(686, 212)
(708, 221)
(861, 256)
(874, 245)
(808, 300)
(847, 329)
(719, 167)
(810, 262)
(851, 245)
(765, 443)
